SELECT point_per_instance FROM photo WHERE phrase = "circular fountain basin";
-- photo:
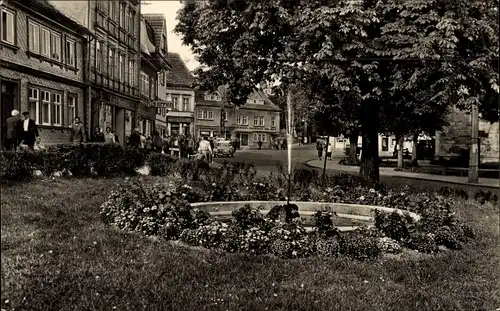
(348, 216)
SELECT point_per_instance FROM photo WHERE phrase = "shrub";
(422, 242)
(327, 246)
(359, 247)
(323, 222)
(17, 166)
(388, 245)
(290, 241)
(209, 235)
(152, 210)
(284, 213)
(394, 225)
(248, 217)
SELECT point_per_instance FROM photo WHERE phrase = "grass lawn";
(57, 255)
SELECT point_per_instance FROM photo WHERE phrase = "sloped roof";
(146, 45)
(268, 103)
(179, 74)
(61, 15)
(158, 24)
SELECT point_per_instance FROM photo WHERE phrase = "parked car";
(223, 148)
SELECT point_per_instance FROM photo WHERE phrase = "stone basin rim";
(331, 205)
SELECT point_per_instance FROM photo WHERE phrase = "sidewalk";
(388, 171)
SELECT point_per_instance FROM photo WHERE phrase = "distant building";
(208, 114)
(153, 64)
(42, 55)
(257, 120)
(455, 138)
(180, 118)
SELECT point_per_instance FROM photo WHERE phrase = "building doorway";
(8, 102)
(244, 139)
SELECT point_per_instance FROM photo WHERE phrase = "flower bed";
(165, 211)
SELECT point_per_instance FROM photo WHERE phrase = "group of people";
(320, 147)
(280, 144)
(21, 131)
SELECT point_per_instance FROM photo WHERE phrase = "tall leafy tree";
(359, 48)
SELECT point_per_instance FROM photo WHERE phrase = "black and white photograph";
(267, 155)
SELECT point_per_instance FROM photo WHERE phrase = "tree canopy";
(356, 58)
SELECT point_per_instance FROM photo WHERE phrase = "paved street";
(266, 160)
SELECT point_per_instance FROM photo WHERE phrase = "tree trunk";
(353, 147)
(414, 152)
(369, 168)
(400, 151)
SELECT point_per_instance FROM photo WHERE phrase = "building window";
(242, 120)
(111, 62)
(34, 37)
(70, 53)
(144, 83)
(175, 103)
(34, 104)
(56, 46)
(121, 68)
(48, 43)
(123, 15)
(131, 70)
(256, 121)
(205, 115)
(57, 109)
(185, 103)
(273, 121)
(8, 26)
(261, 121)
(71, 108)
(45, 107)
(131, 22)
(112, 10)
(98, 56)
(259, 137)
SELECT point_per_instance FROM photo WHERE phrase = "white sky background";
(169, 9)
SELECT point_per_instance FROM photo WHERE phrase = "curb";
(306, 163)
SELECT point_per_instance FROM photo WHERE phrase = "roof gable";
(159, 26)
(179, 74)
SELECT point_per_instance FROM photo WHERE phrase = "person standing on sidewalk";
(206, 149)
(319, 147)
(329, 152)
(77, 132)
(12, 126)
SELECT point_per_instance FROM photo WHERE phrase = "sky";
(169, 9)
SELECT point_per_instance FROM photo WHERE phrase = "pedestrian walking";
(97, 136)
(206, 149)
(12, 127)
(135, 139)
(329, 152)
(77, 132)
(29, 131)
(319, 148)
(259, 143)
(109, 137)
(157, 142)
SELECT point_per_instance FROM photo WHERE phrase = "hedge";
(89, 159)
